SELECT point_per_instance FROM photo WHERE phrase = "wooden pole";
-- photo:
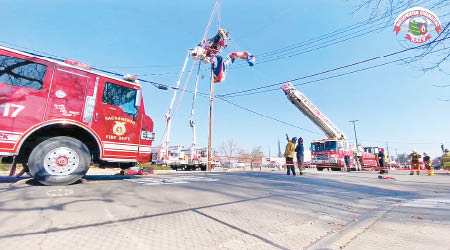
(211, 102)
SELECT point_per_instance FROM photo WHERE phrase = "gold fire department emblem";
(119, 128)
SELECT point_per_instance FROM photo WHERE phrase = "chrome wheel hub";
(61, 161)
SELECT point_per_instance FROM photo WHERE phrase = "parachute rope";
(216, 6)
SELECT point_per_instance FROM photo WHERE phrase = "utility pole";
(354, 129)
(211, 102)
(389, 155)
(396, 154)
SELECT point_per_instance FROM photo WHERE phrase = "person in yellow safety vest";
(289, 154)
(445, 160)
(415, 162)
(427, 163)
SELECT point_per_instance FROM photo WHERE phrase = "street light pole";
(354, 129)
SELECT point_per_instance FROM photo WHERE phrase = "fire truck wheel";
(319, 169)
(59, 160)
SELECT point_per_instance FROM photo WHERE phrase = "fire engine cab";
(58, 117)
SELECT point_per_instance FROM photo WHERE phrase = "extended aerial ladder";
(312, 112)
(333, 152)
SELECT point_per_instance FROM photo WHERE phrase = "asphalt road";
(252, 210)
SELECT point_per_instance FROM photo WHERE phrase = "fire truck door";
(117, 119)
(67, 94)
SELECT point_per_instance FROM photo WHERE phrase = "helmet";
(294, 138)
(414, 150)
(300, 139)
(223, 33)
(446, 150)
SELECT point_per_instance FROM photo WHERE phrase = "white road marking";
(171, 180)
(60, 192)
(443, 203)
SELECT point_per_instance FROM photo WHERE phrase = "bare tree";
(438, 46)
(403, 158)
(253, 157)
(229, 149)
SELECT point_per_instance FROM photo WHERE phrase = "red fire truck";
(58, 117)
(333, 151)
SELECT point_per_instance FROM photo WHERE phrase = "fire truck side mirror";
(137, 102)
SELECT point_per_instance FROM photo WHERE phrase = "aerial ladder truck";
(330, 152)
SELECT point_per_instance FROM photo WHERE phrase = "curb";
(340, 238)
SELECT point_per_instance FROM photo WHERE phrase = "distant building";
(279, 149)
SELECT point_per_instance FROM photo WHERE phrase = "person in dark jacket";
(347, 163)
(381, 161)
(300, 156)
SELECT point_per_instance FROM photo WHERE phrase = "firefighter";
(300, 156)
(427, 163)
(445, 160)
(289, 155)
(216, 43)
(415, 162)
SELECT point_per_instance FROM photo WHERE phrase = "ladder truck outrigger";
(330, 152)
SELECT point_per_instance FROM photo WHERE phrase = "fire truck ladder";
(311, 111)
(191, 119)
(164, 150)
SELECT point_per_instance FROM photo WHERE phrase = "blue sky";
(395, 103)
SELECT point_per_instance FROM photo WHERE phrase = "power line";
(338, 68)
(441, 86)
(371, 23)
(351, 27)
(404, 142)
(335, 76)
(51, 56)
(318, 80)
(157, 74)
(266, 116)
(310, 48)
(137, 67)
(314, 132)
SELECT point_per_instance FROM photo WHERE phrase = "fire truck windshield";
(123, 97)
(327, 146)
